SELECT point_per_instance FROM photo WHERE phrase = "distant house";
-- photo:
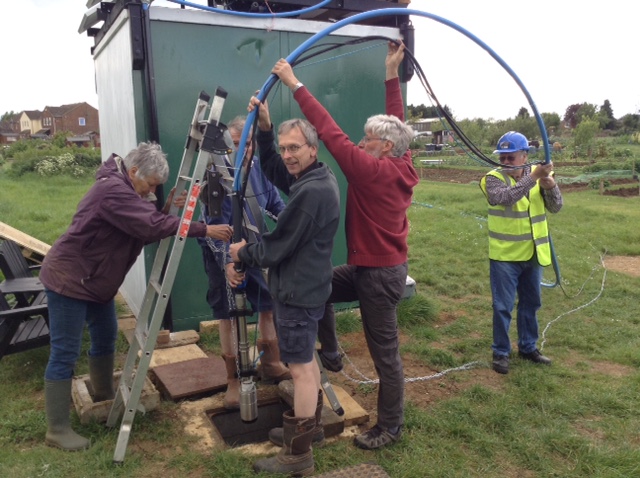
(432, 127)
(79, 118)
(85, 140)
(30, 123)
(9, 130)
(424, 125)
(7, 135)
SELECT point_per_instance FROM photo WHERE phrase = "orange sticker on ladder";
(190, 208)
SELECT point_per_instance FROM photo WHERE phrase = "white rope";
(604, 276)
(369, 381)
(471, 365)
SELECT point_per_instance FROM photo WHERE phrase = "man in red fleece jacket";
(381, 178)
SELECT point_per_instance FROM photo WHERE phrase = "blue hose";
(293, 56)
(365, 16)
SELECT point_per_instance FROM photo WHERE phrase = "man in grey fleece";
(298, 255)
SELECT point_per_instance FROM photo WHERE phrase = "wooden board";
(32, 248)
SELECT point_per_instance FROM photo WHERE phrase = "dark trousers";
(378, 289)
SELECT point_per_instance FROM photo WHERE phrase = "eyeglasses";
(509, 157)
(292, 148)
(367, 139)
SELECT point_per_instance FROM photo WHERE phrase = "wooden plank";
(34, 248)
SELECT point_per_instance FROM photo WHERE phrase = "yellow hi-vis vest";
(517, 231)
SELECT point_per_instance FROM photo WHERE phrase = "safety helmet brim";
(511, 142)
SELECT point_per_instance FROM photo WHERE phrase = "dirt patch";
(623, 192)
(425, 386)
(625, 264)
(618, 191)
(450, 175)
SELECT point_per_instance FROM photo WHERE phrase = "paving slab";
(127, 325)
(191, 378)
(176, 354)
(354, 414)
(177, 339)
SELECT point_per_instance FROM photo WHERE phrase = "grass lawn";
(578, 418)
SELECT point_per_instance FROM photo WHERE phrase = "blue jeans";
(67, 317)
(507, 279)
(255, 286)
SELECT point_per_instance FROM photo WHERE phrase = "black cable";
(443, 114)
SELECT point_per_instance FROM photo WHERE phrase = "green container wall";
(189, 58)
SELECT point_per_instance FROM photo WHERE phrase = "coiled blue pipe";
(237, 184)
(365, 16)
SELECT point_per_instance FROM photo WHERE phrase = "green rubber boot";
(57, 395)
(101, 375)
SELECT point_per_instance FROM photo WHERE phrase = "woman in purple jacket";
(86, 266)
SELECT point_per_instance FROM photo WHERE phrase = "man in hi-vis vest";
(518, 195)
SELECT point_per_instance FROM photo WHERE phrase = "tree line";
(581, 121)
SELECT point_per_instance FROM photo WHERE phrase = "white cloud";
(45, 60)
(563, 52)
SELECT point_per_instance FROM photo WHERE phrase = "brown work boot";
(276, 435)
(231, 399)
(296, 455)
(271, 369)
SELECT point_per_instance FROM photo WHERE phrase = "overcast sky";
(564, 52)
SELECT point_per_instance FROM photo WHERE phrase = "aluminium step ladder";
(204, 138)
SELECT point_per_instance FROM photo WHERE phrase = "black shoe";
(500, 363)
(331, 364)
(535, 357)
(376, 437)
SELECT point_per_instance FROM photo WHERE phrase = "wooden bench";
(23, 328)
(23, 303)
(15, 267)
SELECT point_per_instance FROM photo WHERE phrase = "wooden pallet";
(32, 248)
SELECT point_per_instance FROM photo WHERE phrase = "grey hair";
(150, 160)
(308, 130)
(393, 129)
(237, 123)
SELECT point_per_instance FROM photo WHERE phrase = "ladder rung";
(185, 178)
(156, 285)
(123, 388)
(141, 338)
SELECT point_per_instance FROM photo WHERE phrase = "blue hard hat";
(511, 142)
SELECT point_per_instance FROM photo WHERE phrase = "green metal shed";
(151, 64)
